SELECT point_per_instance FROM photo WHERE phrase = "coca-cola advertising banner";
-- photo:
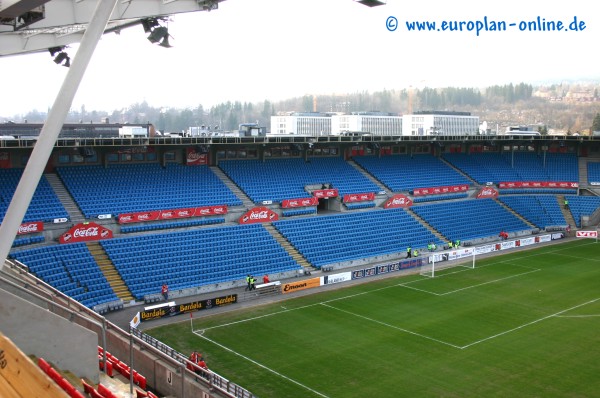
(155, 215)
(359, 197)
(258, 214)
(440, 190)
(325, 193)
(194, 158)
(398, 200)
(538, 184)
(487, 192)
(4, 160)
(85, 232)
(302, 202)
(30, 228)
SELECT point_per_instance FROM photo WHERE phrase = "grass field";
(525, 324)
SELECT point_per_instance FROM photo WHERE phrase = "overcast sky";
(251, 50)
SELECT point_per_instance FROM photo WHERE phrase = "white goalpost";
(465, 258)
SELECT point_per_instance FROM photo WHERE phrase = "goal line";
(465, 258)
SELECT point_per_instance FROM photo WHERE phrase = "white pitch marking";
(391, 326)
(264, 367)
(528, 324)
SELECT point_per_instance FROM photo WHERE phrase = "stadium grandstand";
(120, 231)
(104, 232)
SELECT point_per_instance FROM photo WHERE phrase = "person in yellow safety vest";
(408, 252)
(457, 243)
(566, 204)
(449, 245)
(429, 246)
(415, 253)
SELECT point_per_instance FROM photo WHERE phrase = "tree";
(596, 123)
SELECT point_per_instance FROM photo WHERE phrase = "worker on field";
(450, 244)
(429, 248)
(415, 253)
(457, 243)
(408, 252)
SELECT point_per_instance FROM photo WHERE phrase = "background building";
(310, 123)
(440, 123)
(376, 123)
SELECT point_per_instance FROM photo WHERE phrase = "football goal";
(441, 261)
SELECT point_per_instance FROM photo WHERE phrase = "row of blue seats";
(170, 225)
(582, 206)
(537, 191)
(146, 187)
(407, 172)
(540, 210)
(298, 212)
(297, 174)
(593, 172)
(518, 166)
(433, 198)
(456, 220)
(26, 240)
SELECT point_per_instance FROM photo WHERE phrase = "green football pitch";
(526, 324)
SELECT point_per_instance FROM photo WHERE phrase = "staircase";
(514, 213)
(369, 176)
(583, 174)
(295, 254)
(566, 212)
(234, 188)
(109, 271)
(426, 225)
(475, 183)
(75, 215)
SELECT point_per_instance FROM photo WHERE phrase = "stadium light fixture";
(160, 34)
(55, 50)
(371, 3)
(63, 56)
(149, 24)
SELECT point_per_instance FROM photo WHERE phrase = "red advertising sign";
(194, 158)
(139, 217)
(4, 160)
(359, 197)
(155, 215)
(210, 210)
(441, 190)
(30, 227)
(325, 193)
(538, 184)
(487, 192)
(587, 234)
(301, 202)
(258, 214)
(398, 200)
(85, 232)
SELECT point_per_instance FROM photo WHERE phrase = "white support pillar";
(56, 117)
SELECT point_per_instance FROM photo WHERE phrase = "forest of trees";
(501, 104)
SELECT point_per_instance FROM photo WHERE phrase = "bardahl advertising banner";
(163, 312)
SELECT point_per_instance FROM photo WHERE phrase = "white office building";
(312, 124)
(440, 123)
(374, 123)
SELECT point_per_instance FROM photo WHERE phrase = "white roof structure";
(28, 26)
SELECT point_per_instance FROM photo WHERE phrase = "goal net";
(449, 259)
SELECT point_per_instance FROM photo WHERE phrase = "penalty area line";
(262, 366)
(391, 326)
(555, 315)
